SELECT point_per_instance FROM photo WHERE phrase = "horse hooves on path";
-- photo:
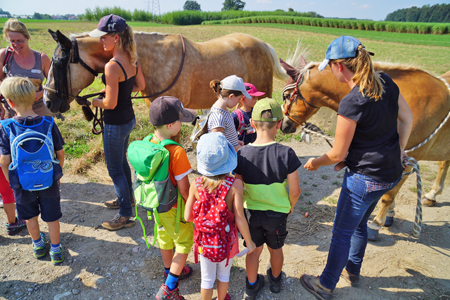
(372, 234)
(389, 221)
(428, 202)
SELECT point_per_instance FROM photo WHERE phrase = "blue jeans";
(115, 143)
(358, 198)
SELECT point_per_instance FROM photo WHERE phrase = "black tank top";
(123, 113)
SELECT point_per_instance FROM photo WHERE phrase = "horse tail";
(278, 71)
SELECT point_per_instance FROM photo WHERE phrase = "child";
(243, 114)
(229, 92)
(13, 225)
(20, 93)
(265, 167)
(166, 114)
(216, 158)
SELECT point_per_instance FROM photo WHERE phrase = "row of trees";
(227, 5)
(438, 13)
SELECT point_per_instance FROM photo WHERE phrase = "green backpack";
(153, 189)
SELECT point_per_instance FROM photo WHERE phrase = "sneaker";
(16, 227)
(252, 291)
(312, 284)
(165, 294)
(114, 204)
(57, 257)
(118, 222)
(185, 273)
(274, 286)
(40, 252)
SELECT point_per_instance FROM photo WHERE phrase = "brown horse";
(167, 60)
(428, 97)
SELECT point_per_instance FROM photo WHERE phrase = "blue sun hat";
(215, 155)
(342, 47)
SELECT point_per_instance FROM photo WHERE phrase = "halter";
(295, 95)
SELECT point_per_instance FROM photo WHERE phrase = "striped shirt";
(222, 118)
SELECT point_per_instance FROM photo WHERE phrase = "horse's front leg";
(387, 205)
(430, 197)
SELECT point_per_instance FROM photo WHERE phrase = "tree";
(233, 5)
(191, 5)
(290, 9)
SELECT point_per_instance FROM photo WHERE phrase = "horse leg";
(430, 197)
(387, 208)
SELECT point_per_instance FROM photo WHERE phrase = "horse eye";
(286, 96)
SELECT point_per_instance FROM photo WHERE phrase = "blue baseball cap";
(342, 47)
(215, 155)
(109, 24)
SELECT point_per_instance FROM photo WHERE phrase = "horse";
(172, 65)
(428, 96)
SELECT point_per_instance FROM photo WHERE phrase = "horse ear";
(63, 40)
(53, 34)
(303, 62)
(291, 71)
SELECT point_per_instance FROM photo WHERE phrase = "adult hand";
(404, 156)
(339, 166)
(309, 165)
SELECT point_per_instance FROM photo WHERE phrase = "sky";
(360, 9)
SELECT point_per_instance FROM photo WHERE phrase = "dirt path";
(117, 265)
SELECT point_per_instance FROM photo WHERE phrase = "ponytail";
(365, 77)
(128, 43)
(215, 85)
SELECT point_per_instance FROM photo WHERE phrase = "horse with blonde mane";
(172, 65)
(428, 97)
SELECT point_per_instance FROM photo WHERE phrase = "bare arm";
(139, 83)
(183, 187)
(45, 62)
(404, 122)
(60, 156)
(345, 130)
(112, 76)
(294, 189)
(238, 207)
(193, 196)
(5, 161)
(2, 58)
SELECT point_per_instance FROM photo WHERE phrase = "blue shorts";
(45, 202)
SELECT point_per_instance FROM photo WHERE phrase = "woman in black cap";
(122, 76)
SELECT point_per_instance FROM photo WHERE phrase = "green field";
(424, 51)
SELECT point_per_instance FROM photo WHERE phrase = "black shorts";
(45, 202)
(267, 227)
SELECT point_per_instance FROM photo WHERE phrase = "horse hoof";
(428, 202)
(372, 234)
(389, 221)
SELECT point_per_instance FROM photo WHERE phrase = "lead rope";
(410, 161)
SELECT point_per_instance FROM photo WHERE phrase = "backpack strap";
(240, 115)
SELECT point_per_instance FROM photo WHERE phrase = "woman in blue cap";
(122, 76)
(373, 127)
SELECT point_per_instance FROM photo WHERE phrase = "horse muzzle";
(55, 104)
(287, 126)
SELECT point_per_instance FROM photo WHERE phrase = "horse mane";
(85, 34)
(301, 50)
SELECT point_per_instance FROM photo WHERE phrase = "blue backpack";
(34, 166)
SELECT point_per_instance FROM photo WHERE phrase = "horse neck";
(92, 50)
(326, 88)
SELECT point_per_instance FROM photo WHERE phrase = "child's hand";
(251, 247)
(292, 210)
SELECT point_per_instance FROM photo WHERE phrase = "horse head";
(73, 68)
(306, 91)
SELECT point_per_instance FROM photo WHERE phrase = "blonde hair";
(370, 84)
(215, 85)
(14, 25)
(128, 43)
(20, 90)
(266, 125)
(211, 183)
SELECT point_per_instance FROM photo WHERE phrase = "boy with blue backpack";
(166, 114)
(32, 157)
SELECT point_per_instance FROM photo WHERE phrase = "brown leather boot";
(118, 222)
(312, 284)
(114, 204)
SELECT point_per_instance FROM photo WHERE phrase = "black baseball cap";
(167, 109)
(109, 24)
